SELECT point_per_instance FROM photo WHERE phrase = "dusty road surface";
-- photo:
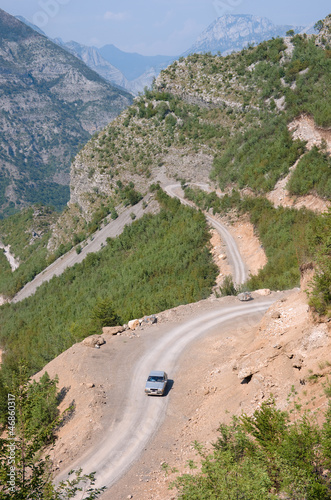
(131, 425)
(239, 269)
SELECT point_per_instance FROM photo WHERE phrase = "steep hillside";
(206, 116)
(233, 122)
(51, 103)
(324, 35)
(94, 60)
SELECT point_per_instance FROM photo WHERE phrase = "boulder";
(263, 291)
(247, 372)
(149, 319)
(112, 330)
(133, 324)
(245, 296)
(94, 340)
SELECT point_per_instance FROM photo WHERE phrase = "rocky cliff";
(51, 103)
(131, 71)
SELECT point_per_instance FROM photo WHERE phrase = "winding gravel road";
(239, 270)
(126, 438)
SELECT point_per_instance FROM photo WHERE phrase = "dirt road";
(239, 270)
(94, 244)
(127, 436)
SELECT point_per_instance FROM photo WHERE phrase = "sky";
(150, 27)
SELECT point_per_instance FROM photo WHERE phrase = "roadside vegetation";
(158, 262)
(312, 174)
(320, 294)
(286, 235)
(265, 456)
(28, 423)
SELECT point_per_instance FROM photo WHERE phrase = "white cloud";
(115, 16)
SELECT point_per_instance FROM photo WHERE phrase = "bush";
(263, 457)
(228, 287)
(312, 175)
(320, 296)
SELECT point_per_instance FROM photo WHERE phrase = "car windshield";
(155, 379)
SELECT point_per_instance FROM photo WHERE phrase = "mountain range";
(134, 71)
(51, 103)
(131, 71)
(54, 99)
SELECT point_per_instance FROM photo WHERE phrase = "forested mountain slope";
(229, 121)
(214, 111)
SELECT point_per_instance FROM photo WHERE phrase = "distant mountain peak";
(232, 32)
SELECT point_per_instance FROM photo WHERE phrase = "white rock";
(263, 291)
(133, 324)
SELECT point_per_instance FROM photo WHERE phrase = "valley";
(214, 182)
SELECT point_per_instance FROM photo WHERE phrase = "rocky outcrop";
(94, 341)
(112, 330)
(324, 37)
(134, 323)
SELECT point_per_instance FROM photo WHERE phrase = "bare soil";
(305, 129)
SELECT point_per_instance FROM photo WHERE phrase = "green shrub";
(320, 296)
(228, 287)
(263, 457)
(257, 158)
(312, 175)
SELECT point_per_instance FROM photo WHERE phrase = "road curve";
(239, 271)
(142, 415)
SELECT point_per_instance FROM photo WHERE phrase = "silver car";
(156, 383)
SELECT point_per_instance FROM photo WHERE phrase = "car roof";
(156, 373)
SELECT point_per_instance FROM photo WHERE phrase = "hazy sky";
(152, 26)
